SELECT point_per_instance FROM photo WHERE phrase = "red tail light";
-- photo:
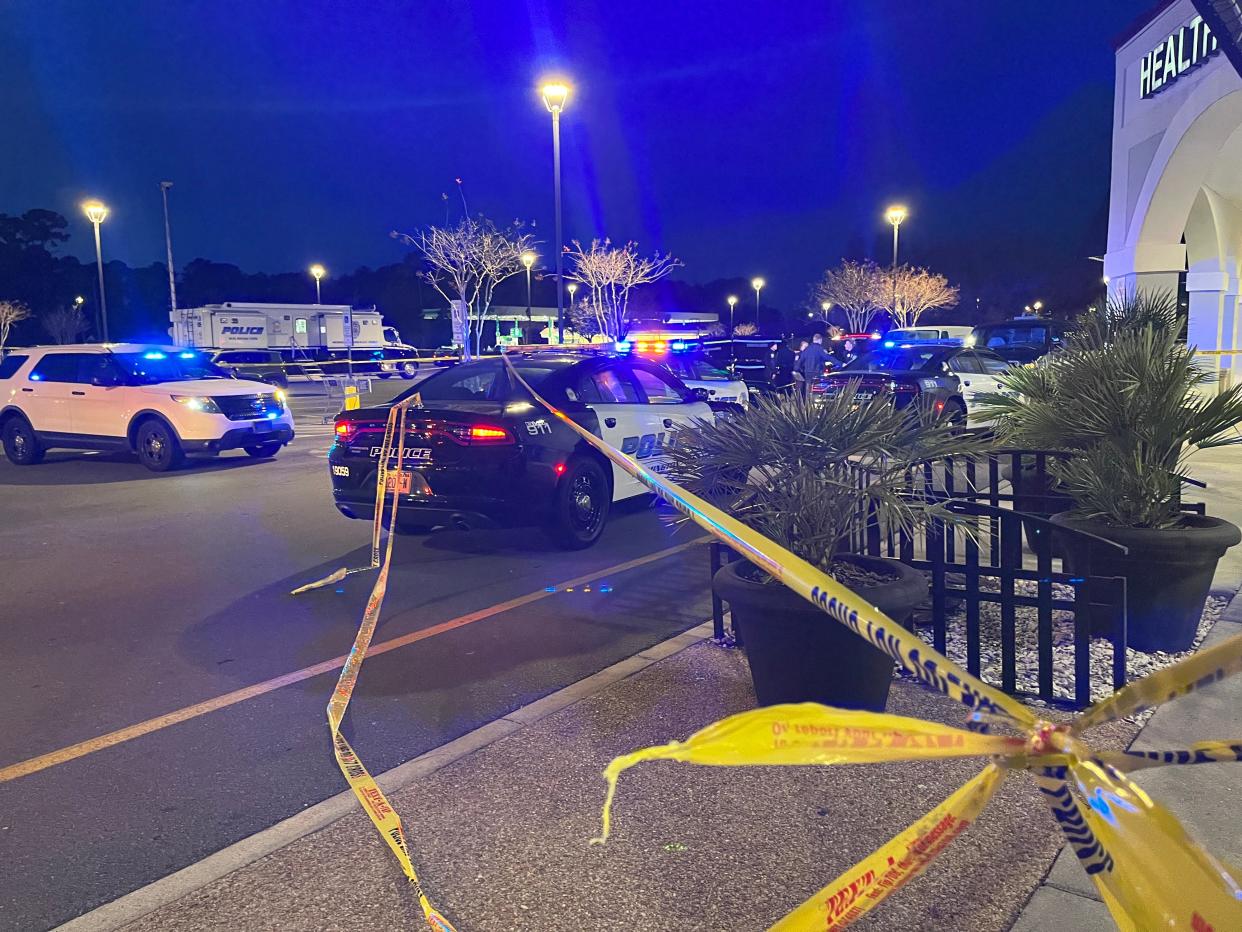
(345, 430)
(481, 433)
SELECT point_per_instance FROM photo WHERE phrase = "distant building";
(1175, 213)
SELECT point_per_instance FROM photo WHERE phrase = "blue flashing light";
(185, 355)
(605, 589)
(271, 415)
(549, 588)
(623, 346)
(678, 346)
(154, 355)
(35, 377)
(889, 344)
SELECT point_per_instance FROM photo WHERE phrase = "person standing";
(811, 361)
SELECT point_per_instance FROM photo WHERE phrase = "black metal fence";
(1003, 600)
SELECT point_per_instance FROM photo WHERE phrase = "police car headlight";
(281, 397)
(197, 403)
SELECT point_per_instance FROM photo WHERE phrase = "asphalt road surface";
(127, 596)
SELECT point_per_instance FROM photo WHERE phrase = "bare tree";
(917, 291)
(856, 288)
(746, 329)
(64, 324)
(465, 263)
(10, 313)
(608, 273)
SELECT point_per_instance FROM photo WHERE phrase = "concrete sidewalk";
(501, 834)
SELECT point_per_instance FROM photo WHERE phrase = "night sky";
(748, 138)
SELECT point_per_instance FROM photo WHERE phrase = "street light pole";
(895, 215)
(318, 271)
(732, 299)
(172, 278)
(554, 96)
(573, 290)
(757, 283)
(528, 259)
(96, 213)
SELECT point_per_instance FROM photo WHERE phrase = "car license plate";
(263, 427)
(399, 482)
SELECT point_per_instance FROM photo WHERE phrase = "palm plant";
(805, 471)
(1126, 310)
(1125, 399)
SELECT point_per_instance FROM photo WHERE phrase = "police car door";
(613, 395)
(669, 407)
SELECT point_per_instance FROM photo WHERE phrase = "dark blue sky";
(748, 138)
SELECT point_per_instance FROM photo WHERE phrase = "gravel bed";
(1138, 664)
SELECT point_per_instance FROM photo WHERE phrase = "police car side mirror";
(700, 394)
(105, 381)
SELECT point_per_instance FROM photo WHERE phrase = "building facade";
(1175, 212)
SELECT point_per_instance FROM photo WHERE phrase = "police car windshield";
(480, 381)
(155, 366)
(900, 359)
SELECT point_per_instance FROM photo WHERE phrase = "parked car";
(159, 402)
(926, 334)
(482, 452)
(945, 376)
(1023, 340)
(258, 365)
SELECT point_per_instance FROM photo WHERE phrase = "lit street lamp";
(318, 271)
(79, 301)
(757, 283)
(96, 213)
(555, 94)
(895, 215)
(825, 306)
(528, 259)
(732, 300)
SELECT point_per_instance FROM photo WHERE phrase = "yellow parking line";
(81, 749)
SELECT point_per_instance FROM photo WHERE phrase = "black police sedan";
(480, 451)
(944, 376)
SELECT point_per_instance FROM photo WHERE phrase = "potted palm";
(1125, 402)
(1035, 490)
(805, 472)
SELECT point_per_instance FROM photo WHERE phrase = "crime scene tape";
(1149, 872)
(372, 798)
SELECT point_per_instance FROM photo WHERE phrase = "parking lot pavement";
(140, 599)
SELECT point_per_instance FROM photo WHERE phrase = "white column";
(1213, 298)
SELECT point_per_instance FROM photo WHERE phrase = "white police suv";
(158, 402)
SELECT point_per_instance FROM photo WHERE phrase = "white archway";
(1192, 193)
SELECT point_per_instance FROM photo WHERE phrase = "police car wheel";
(580, 505)
(21, 446)
(159, 449)
(409, 370)
(262, 451)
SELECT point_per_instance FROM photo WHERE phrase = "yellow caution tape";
(1126, 843)
(808, 733)
(372, 798)
(1194, 672)
(891, 867)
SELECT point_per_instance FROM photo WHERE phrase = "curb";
(175, 886)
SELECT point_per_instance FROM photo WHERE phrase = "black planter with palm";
(1128, 405)
(802, 471)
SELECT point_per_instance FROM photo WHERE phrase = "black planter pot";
(1168, 573)
(1036, 494)
(798, 654)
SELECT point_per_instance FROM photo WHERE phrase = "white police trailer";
(241, 325)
